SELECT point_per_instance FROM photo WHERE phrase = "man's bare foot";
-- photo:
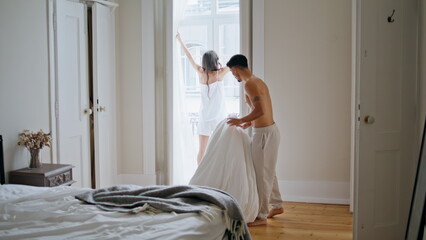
(275, 211)
(258, 222)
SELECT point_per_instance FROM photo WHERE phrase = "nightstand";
(49, 175)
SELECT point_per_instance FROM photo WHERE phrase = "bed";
(28, 212)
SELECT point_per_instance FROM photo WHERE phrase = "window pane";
(229, 44)
(196, 40)
(228, 6)
(198, 7)
(195, 34)
(229, 39)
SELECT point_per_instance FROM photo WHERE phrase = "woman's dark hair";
(238, 60)
(210, 63)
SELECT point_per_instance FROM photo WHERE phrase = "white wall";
(130, 86)
(136, 83)
(308, 70)
(24, 76)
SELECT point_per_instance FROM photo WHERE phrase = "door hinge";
(358, 113)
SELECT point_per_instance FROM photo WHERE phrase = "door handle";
(102, 109)
(369, 119)
(87, 111)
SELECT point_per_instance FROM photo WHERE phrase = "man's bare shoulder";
(256, 83)
(253, 81)
(250, 85)
(256, 79)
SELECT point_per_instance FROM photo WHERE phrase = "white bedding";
(53, 213)
(227, 165)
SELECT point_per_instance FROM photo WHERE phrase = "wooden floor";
(307, 221)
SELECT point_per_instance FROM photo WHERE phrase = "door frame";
(51, 16)
(355, 101)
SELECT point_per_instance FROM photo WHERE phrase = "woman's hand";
(178, 37)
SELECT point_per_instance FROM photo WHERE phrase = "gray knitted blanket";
(179, 199)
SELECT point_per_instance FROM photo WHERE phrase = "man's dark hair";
(238, 60)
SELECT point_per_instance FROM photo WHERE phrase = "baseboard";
(137, 179)
(315, 191)
(291, 191)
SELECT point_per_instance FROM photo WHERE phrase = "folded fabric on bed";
(179, 199)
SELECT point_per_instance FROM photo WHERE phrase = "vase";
(35, 158)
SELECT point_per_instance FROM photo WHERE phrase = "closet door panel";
(104, 94)
(72, 89)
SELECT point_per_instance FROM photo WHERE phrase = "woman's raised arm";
(188, 54)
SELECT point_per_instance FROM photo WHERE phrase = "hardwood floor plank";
(307, 221)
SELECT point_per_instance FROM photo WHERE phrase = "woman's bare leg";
(203, 144)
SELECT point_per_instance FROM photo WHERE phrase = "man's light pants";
(265, 144)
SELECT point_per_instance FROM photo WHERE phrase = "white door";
(104, 95)
(72, 89)
(388, 118)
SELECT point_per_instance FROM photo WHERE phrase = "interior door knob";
(87, 111)
(369, 119)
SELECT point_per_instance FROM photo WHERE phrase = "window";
(198, 7)
(228, 6)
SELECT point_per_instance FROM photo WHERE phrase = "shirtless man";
(265, 140)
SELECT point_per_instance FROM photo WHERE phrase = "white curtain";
(184, 149)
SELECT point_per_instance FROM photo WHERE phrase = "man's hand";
(234, 122)
(245, 125)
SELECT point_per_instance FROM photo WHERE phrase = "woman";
(212, 109)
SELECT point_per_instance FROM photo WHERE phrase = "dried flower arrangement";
(34, 140)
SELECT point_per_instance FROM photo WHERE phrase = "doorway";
(203, 25)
